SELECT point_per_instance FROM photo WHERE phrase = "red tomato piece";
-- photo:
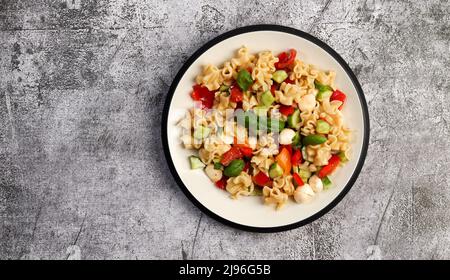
(286, 110)
(333, 162)
(222, 183)
(289, 81)
(285, 59)
(230, 155)
(296, 158)
(297, 180)
(203, 95)
(261, 179)
(246, 166)
(246, 151)
(340, 96)
(236, 95)
(273, 88)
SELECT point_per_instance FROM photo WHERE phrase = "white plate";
(249, 213)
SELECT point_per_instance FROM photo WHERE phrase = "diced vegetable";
(273, 88)
(247, 119)
(246, 166)
(257, 192)
(304, 174)
(333, 162)
(236, 95)
(314, 139)
(278, 125)
(267, 98)
(326, 183)
(340, 96)
(261, 179)
(244, 79)
(234, 168)
(289, 81)
(322, 95)
(342, 156)
(201, 132)
(265, 124)
(322, 127)
(296, 141)
(279, 76)
(196, 163)
(224, 88)
(218, 165)
(260, 110)
(284, 160)
(230, 155)
(275, 170)
(296, 158)
(203, 95)
(285, 59)
(286, 110)
(222, 183)
(246, 151)
(297, 180)
(294, 119)
(288, 147)
(324, 91)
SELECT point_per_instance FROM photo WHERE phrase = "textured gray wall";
(82, 173)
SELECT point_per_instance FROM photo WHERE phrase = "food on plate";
(267, 125)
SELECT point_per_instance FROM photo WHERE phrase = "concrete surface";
(82, 173)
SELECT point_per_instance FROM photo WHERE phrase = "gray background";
(82, 172)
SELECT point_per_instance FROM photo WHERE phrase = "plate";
(249, 213)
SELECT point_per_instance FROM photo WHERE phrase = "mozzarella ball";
(307, 102)
(286, 136)
(316, 184)
(303, 194)
(213, 174)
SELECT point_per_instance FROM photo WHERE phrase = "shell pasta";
(267, 125)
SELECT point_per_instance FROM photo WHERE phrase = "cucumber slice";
(244, 79)
(260, 111)
(196, 163)
(294, 119)
(267, 98)
(324, 91)
(279, 76)
(304, 174)
(278, 125)
(323, 127)
(296, 141)
(314, 139)
(342, 156)
(322, 95)
(265, 124)
(326, 183)
(257, 191)
(201, 132)
(275, 170)
(224, 88)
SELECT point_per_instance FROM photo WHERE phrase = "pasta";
(254, 103)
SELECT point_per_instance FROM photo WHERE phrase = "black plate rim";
(254, 28)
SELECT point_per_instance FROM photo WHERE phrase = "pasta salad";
(267, 125)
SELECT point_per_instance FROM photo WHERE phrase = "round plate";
(249, 213)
